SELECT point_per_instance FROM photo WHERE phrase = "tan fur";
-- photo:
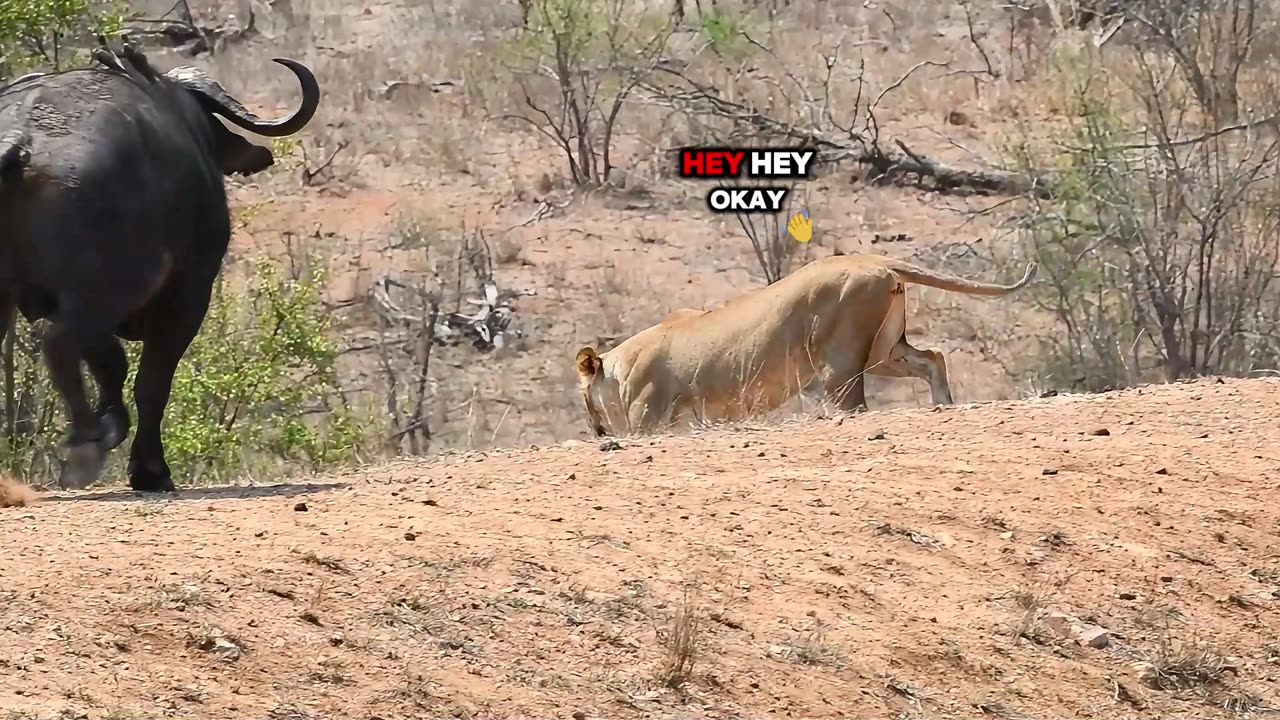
(590, 364)
(831, 320)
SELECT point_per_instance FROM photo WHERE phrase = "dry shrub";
(14, 493)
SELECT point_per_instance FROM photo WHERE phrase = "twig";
(309, 175)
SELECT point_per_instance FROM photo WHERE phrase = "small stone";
(878, 434)
(1075, 629)
(1162, 471)
(410, 536)
(1128, 596)
(300, 507)
(1100, 432)
(579, 715)
(227, 650)
(1049, 471)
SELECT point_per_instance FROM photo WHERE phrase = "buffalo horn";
(219, 101)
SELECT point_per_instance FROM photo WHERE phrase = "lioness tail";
(933, 278)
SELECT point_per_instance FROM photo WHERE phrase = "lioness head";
(589, 366)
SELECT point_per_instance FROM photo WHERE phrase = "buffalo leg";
(64, 344)
(110, 367)
(166, 341)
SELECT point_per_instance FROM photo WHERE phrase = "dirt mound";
(14, 493)
(1106, 556)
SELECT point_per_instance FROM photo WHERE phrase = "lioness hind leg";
(905, 361)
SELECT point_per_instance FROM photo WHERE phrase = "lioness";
(832, 320)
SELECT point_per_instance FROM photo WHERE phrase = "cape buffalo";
(114, 224)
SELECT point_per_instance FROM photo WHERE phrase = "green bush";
(258, 386)
(52, 33)
(1158, 263)
(257, 392)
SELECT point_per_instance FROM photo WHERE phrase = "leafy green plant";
(258, 385)
(257, 391)
(722, 29)
(53, 33)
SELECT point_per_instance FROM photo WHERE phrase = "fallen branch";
(701, 100)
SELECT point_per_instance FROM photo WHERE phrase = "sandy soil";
(899, 563)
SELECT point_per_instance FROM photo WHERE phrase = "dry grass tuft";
(1032, 601)
(1177, 665)
(811, 648)
(681, 643)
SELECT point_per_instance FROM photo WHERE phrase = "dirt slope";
(837, 576)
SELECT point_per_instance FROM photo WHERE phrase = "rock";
(1049, 471)
(1077, 630)
(226, 650)
(300, 507)
(878, 434)
(778, 652)
(1100, 432)
(411, 536)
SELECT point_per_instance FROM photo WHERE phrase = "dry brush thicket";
(479, 171)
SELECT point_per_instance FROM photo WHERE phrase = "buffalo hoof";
(145, 479)
(84, 466)
(114, 429)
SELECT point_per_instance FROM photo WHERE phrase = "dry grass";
(681, 642)
(1181, 664)
(812, 648)
(1031, 601)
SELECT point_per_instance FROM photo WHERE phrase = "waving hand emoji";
(801, 226)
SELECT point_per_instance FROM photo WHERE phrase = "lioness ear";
(588, 362)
